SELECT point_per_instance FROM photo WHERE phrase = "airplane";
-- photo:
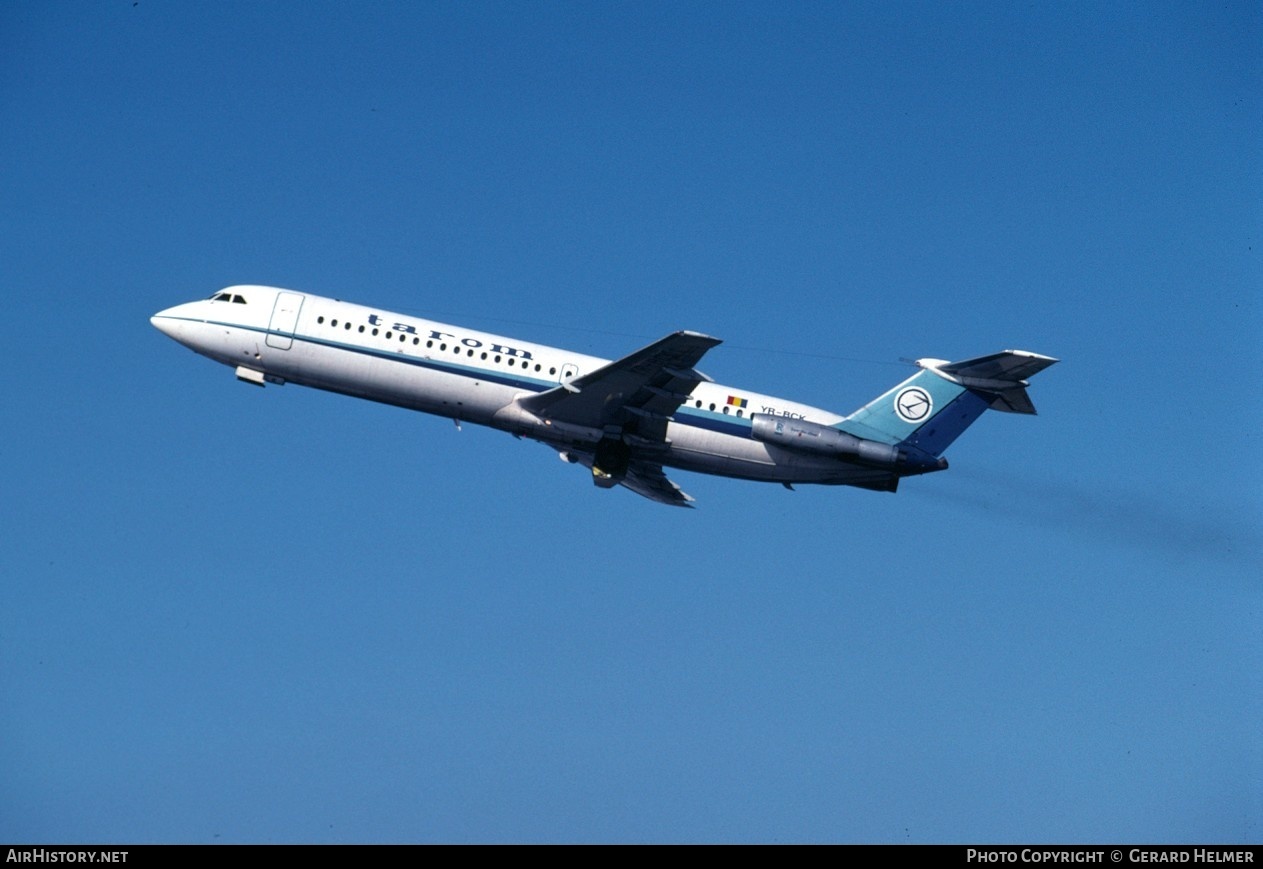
(624, 420)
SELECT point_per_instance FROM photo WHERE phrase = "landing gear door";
(284, 320)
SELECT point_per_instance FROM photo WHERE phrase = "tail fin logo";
(913, 404)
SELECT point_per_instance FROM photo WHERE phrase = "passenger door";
(284, 320)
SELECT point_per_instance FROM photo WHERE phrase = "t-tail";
(928, 411)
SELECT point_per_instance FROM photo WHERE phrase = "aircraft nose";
(164, 323)
(173, 322)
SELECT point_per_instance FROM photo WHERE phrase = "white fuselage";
(471, 376)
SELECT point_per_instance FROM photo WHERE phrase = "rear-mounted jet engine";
(811, 437)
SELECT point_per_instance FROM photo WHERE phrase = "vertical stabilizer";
(931, 408)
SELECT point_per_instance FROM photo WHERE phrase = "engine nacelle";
(811, 437)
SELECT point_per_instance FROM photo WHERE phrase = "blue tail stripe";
(937, 435)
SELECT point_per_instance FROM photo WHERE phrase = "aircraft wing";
(648, 479)
(635, 395)
(643, 478)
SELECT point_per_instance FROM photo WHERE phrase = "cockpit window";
(240, 300)
(228, 297)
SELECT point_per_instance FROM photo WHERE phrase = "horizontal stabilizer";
(1013, 400)
(1001, 377)
(1010, 365)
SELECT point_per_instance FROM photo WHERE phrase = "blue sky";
(278, 615)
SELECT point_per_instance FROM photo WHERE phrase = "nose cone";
(180, 322)
(166, 322)
(187, 324)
